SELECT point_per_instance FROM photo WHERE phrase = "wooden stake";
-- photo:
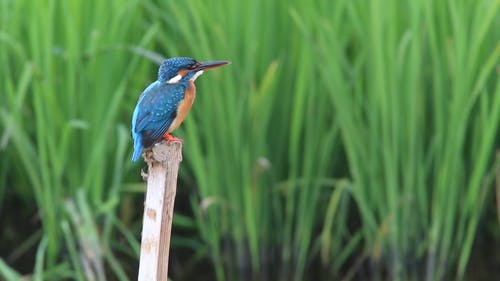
(163, 166)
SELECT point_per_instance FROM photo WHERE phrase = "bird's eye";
(194, 66)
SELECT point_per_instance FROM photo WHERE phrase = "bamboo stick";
(163, 166)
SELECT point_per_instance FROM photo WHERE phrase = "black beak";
(205, 65)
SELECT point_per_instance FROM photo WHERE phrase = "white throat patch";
(196, 75)
(175, 79)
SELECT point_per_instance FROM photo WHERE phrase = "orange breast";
(184, 106)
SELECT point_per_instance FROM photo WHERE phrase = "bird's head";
(173, 70)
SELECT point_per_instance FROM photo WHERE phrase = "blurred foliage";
(348, 139)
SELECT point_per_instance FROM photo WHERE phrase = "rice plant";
(67, 68)
(416, 95)
(348, 139)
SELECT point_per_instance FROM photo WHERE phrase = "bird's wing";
(155, 111)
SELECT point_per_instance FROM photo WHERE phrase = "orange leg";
(167, 136)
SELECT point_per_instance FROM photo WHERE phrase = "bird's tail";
(137, 147)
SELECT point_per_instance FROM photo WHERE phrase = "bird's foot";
(144, 175)
(171, 138)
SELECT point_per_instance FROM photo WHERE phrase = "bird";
(164, 104)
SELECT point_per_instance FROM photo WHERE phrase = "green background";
(348, 140)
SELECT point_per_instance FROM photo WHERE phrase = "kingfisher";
(165, 103)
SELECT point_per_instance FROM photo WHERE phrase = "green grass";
(346, 136)
(67, 71)
(419, 110)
